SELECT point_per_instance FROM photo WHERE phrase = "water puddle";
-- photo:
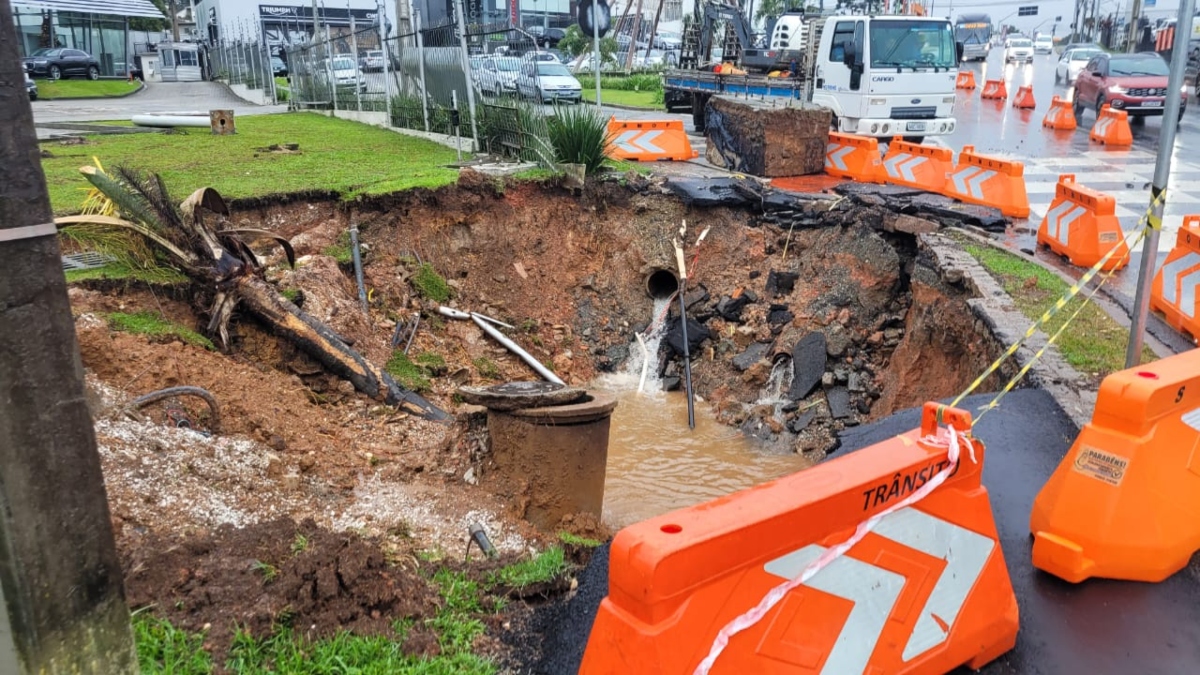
(656, 464)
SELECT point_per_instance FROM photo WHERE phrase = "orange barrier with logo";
(966, 79)
(854, 157)
(1024, 97)
(915, 165)
(1060, 116)
(649, 140)
(990, 182)
(1125, 501)
(1174, 289)
(994, 89)
(925, 591)
(1112, 128)
(1082, 225)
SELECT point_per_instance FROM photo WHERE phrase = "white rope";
(947, 436)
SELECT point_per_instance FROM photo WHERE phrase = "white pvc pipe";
(516, 349)
(171, 121)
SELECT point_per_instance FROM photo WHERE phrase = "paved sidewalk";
(157, 97)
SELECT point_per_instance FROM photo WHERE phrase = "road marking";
(874, 590)
(1171, 272)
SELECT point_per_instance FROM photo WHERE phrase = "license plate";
(915, 126)
(1151, 104)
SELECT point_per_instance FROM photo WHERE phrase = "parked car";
(62, 63)
(1135, 83)
(668, 41)
(1043, 44)
(372, 62)
(547, 37)
(1072, 62)
(1018, 49)
(547, 82)
(30, 87)
(499, 75)
(278, 67)
(546, 57)
(344, 71)
(657, 58)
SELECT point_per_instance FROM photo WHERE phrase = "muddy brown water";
(656, 464)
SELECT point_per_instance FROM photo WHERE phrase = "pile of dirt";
(280, 572)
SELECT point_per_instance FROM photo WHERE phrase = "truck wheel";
(699, 102)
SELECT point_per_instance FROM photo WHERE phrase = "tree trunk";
(316, 340)
(63, 597)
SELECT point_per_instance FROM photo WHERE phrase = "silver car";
(499, 75)
(548, 82)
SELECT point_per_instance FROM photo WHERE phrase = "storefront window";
(103, 36)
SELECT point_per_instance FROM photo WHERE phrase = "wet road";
(1098, 627)
(995, 127)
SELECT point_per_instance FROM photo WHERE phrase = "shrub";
(579, 136)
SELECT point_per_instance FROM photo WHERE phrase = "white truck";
(880, 75)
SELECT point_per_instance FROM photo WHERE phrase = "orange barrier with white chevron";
(1024, 97)
(853, 157)
(965, 79)
(1112, 128)
(994, 89)
(649, 140)
(1174, 289)
(925, 591)
(1082, 225)
(918, 166)
(1125, 501)
(1060, 116)
(989, 181)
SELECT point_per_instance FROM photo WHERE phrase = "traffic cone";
(1024, 97)
(1060, 116)
(966, 79)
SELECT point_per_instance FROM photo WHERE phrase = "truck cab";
(888, 75)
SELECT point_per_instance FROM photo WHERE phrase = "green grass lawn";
(1094, 343)
(51, 89)
(346, 157)
(635, 99)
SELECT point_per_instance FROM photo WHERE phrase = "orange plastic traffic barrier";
(925, 591)
(1112, 128)
(1082, 225)
(994, 89)
(1024, 97)
(1125, 501)
(966, 79)
(989, 181)
(915, 165)
(854, 157)
(1060, 116)
(1174, 289)
(649, 140)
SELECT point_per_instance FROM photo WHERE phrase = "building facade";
(98, 28)
(281, 25)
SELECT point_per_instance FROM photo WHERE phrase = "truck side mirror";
(958, 49)
(849, 54)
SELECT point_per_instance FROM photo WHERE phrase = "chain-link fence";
(244, 61)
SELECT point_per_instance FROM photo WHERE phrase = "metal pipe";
(687, 357)
(495, 321)
(479, 536)
(516, 349)
(168, 121)
(1162, 172)
(155, 396)
(413, 333)
(358, 271)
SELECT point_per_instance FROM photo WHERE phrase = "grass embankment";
(52, 89)
(1094, 343)
(164, 649)
(651, 100)
(345, 157)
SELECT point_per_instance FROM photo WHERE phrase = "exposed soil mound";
(278, 573)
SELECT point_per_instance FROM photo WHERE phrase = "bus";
(974, 31)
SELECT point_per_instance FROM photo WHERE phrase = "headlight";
(877, 101)
(874, 128)
(1116, 89)
(886, 127)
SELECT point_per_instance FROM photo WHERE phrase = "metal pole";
(358, 75)
(596, 49)
(687, 357)
(1133, 26)
(1162, 171)
(387, 59)
(421, 69)
(466, 68)
(358, 269)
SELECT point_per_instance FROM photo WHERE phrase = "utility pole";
(64, 598)
(633, 38)
(1162, 171)
(1133, 26)
(403, 17)
(174, 10)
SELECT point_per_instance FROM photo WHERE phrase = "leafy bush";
(579, 136)
(639, 82)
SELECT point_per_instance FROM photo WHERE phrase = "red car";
(1135, 83)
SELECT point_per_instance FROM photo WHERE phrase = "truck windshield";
(912, 44)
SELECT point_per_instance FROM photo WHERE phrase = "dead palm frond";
(195, 237)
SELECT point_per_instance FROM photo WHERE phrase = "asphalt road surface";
(1098, 627)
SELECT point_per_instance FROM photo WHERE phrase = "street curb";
(624, 107)
(1007, 324)
(141, 87)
